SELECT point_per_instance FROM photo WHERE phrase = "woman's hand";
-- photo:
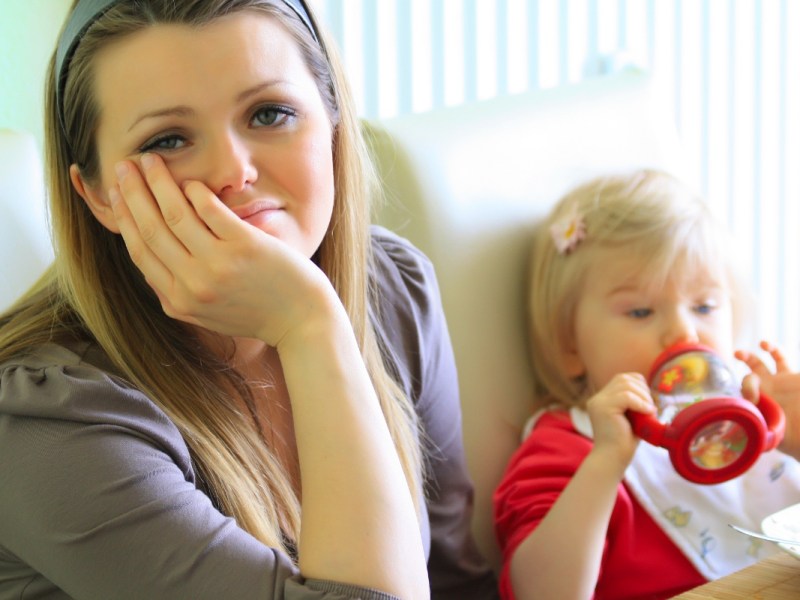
(782, 385)
(207, 266)
(612, 430)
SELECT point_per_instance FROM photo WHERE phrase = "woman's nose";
(231, 166)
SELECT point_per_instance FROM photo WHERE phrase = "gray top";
(98, 495)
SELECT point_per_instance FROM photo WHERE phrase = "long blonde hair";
(93, 291)
(648, 213)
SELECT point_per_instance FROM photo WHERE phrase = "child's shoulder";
(554, 429)
(543, 419)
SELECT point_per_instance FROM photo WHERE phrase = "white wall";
(28, 31)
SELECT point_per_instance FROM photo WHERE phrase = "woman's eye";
(271, 116)
(164, 143)
(640, 313)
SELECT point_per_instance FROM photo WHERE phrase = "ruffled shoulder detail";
(55, 382)
(403, 268)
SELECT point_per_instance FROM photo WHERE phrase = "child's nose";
(680, 327)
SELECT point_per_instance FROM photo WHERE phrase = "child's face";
(622, 324)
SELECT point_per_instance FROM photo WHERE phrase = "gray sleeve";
(98, 500)
(412, 325)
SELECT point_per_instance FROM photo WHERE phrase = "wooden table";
(774, 578)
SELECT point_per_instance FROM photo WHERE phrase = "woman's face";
(231, 104)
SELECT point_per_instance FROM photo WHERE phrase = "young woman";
(228, 385)
(623, 269)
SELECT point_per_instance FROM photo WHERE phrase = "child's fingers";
(751, 387)
(642, 403)
(781, 366)
(753, 361)
(627, 391)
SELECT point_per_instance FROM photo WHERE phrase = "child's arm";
(783, 386)
(561, 557)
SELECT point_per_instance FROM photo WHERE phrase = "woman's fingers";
(145, 202)
(165, 238)
(190, 213)
(176, 211)
(156, 273)
(218, 218)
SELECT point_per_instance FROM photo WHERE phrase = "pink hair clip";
(568, 231)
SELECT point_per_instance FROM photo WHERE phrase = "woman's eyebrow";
(172, 111)
(252, 91)
(185, 111)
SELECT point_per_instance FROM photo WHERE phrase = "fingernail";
(147, 160)
(121, 169)
(113, 195)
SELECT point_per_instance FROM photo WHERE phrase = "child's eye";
(164, 143)
(271, 116)
(705, 308)
(640, 313)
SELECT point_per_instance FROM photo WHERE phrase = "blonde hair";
(649, 214)
(93, 291)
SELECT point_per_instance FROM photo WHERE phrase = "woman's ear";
(95, 199)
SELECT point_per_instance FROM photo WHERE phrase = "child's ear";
(571, 362)
(96, 199)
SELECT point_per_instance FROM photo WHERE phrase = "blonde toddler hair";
(647, 213)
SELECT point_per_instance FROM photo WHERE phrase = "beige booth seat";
(465, 185)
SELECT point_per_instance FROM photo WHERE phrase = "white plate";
(785, 524)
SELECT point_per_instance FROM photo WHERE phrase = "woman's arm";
(211, 269)
(353, 484)
(414, 331)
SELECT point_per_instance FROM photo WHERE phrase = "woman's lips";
(256, 213)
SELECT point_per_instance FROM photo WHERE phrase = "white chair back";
(25, 248)
(466, 184)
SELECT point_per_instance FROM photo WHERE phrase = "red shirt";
(639, 560)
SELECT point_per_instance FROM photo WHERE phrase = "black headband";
(88, 11)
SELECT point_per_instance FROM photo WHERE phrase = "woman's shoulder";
(76, 382)
(407, 311)
(401, 266)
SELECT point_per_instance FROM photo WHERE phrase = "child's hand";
(783, 386)
(612, 429)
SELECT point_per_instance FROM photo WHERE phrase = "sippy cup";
(711, 432)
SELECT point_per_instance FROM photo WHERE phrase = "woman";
(227, 385)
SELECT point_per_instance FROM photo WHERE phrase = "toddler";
(623, 268)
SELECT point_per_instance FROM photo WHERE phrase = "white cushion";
(25, 249)
(465, 184)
